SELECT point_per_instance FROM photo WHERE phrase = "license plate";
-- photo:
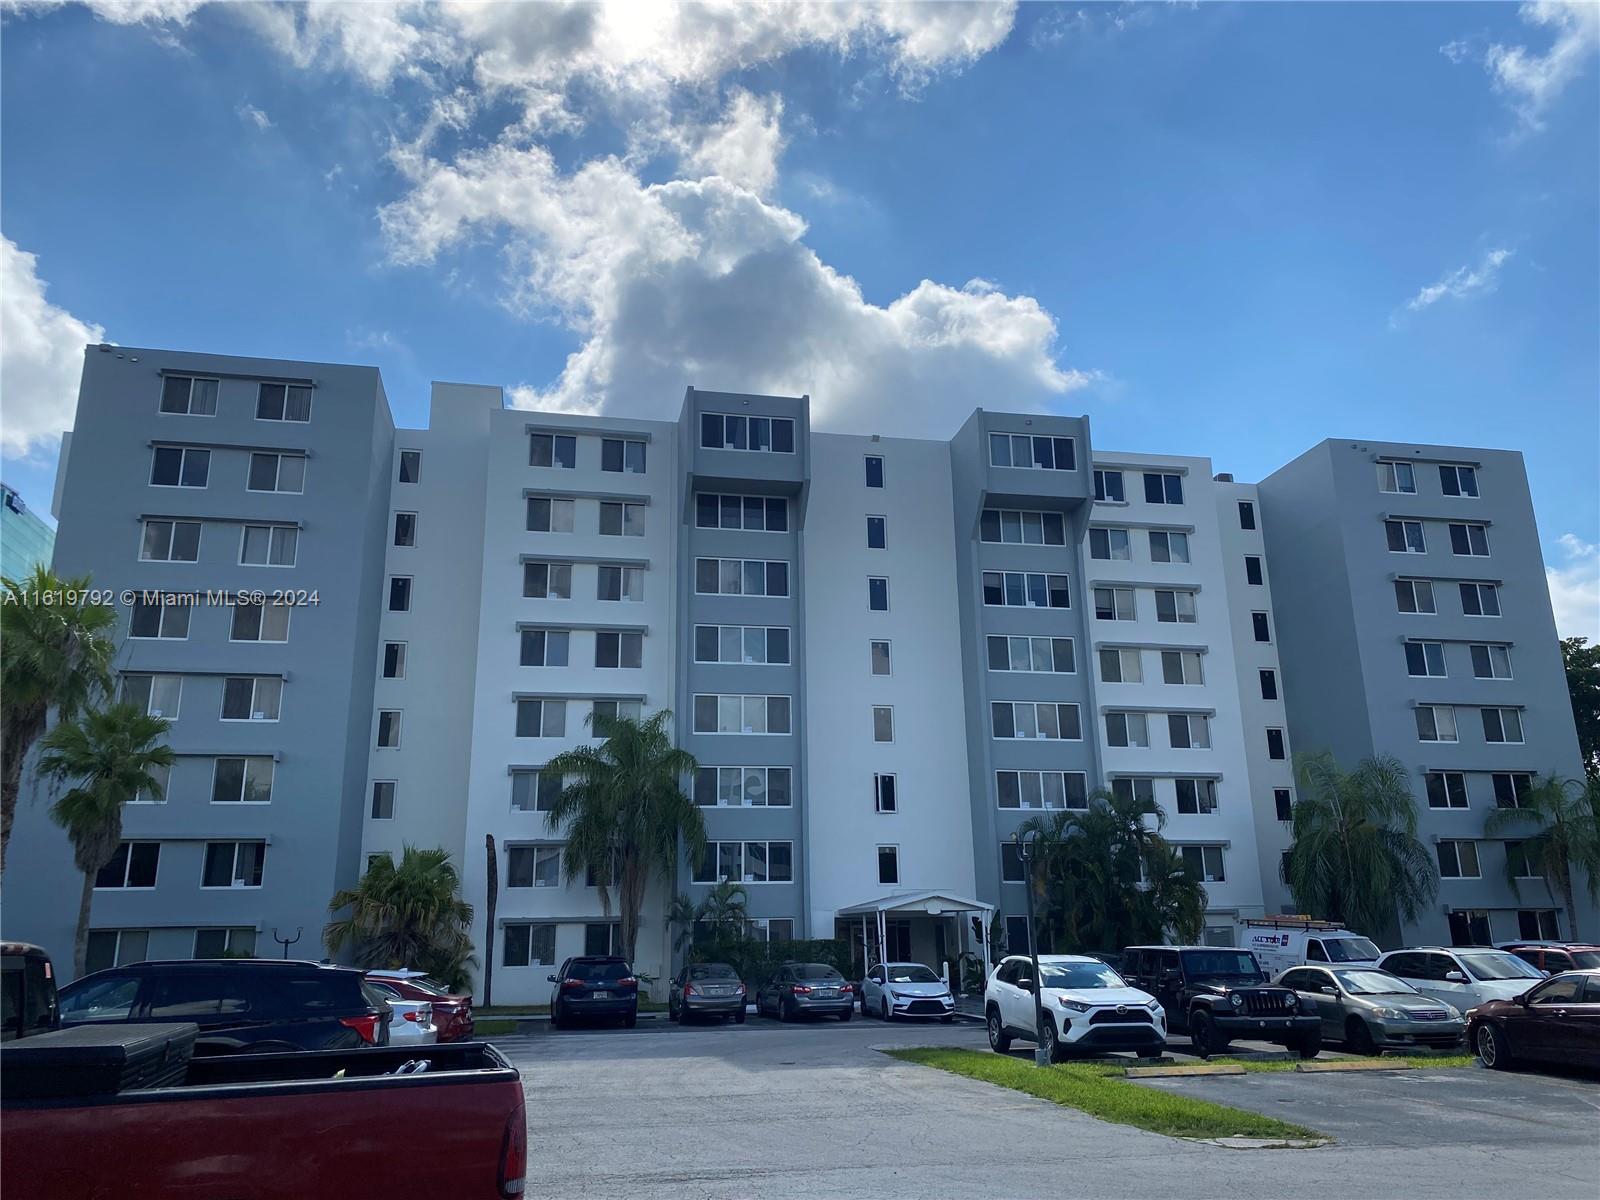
(827, 993)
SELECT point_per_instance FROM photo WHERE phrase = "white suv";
(1088, 1008)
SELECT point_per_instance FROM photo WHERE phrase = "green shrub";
(756, 961)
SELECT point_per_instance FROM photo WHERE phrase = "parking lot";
(765, 1108)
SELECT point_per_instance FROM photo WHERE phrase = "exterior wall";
(1343, 643)
(25, 540)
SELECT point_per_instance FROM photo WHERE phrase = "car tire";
(784, 1012)
(948, 1019)
(555, 1016)
(1358, 1038)
(848, 1013)
(999, 1039)
(629, 1021)
(1203, 1035)
(1491, 1046)
(738, 1017)
(1309, 1046)
(1054, 1052)
(883, 1009)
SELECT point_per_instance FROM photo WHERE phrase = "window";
(1046, 654)
(1480, 599)
(547, 580)
(1026, 589)
(1012, 869)
(548, 514)
(1458, 481)
(1502, 725)
(1122, 665)
(1166, 546)
(1110, 544)
(1108, 487)
(1127, 729)
(1247, 515)
(1027, 719)
(1042, 789)
(1425, 659)
(888, 864)
(882, 723)
(152, 618)
(170, 541)
(878, 653)
(724, 431)
(750, 644)
(283, 402)
(162, 776)
(1189, 731)
(874, 471)
(251, 697)
(1260, 626)
(1252, 570)
(394, 660)
(618, 710)
(1162, 488)
(233, 864)
(885, 798)
(277, 473)
(132, 866)
(741, 714)
(1436, 723)
(155, 695)
(622, 455)
(1470, 540)
(768, 513)
(1510, 787)
(192, 397)
(1405, 537)
(541, 718)
(552, 450)
(269, 546)
(742, 787)
(1181, 667)
(383, 800)
(410, 466)
(1283, 803)
(109, 948)
(1269, 684)
(1275, 744)
(179, 466)
(620, 650)
(877, 533)
(1413, 596)
(740, 577)
(619, 583)
(389, 729)
(877, 594)
(1113, 604)
(399, 593)
(225, 943)
(746, 862)
(1016, 935)
(1014, 527)
(621, 520)
(260, 623)
(529, 946)
(1204, 862)
(1196, 797)
(1174, 606)
(1024, 450)
(1397, 477)
(1540, 925)
(242, 780)
(533, 866)
(545, 647)
(1491, 661)
(534, 791)
(1458, 860)
(405, 529)
(1517, 862)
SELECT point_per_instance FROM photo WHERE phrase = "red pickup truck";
(128, 1114)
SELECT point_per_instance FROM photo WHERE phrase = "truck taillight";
(514, 1152)
(366, 1026)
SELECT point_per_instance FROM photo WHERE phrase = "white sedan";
(906, 990)
(412, 1020)
(1088, 1008)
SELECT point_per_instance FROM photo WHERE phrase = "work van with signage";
(1283, 942)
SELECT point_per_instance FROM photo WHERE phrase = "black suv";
(1216, 993)
(594, 986)
(242, 1006)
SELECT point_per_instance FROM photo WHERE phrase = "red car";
(452, 1013)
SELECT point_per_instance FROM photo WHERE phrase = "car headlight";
(1393, 1014)
(1236, 1000)
(1291, 1000)
(1452, 1012)
(1074, 1005)
(1153, 1005)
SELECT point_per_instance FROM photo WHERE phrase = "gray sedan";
(706, 990)
(1371, 1011)
(799, 989)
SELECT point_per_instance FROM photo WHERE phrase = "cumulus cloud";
(118, 12)
(1459, 284)
(1575, 588)
(743, 146)
(41, 356)
(1530, 80)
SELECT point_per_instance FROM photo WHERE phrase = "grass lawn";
(1097, 1089)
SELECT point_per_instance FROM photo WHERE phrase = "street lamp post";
(1041, 1057)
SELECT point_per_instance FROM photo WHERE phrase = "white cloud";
(1531, 81)
(118, 12)
(252, 114)
(41, 356)
(1575, 589)
(1459, 284)
(743, 147)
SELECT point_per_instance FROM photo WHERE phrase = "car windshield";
(1373, 983)
(1489, 965)
(1584, 959)
(713, 971)
(1350, 949)
(1221, 964)
(1080, 975)
(815, 971)
(912, 973)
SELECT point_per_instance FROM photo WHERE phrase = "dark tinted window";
(185, 996)
(1558, 991)
(585, 968)
(106, 999)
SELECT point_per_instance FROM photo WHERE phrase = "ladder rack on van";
(1290, 922)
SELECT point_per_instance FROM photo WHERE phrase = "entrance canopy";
(935, 905)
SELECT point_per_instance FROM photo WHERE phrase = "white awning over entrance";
(912, 904)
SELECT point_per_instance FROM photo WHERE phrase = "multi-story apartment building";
(26, 542)
(884, 653)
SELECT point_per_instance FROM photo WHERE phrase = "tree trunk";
(492, 896)
(630, 902)
(20, 734)
(1565, 881)
(80, 938)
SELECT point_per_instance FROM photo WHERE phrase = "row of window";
(619, 455)
(1401, 478)
(235, 779)
(1116, 545)
(162, 540)
(612, 649)
(1405, 535)
(1448, 789)
(1205, 861)
(1490, 660)
(190, 467)
(226, 865)
(1459, 859)
(118, 947)
(194, 396)
(244, 697)
(533, 943)
(1417, 596)
(552, 580)
(727, 431)
(1033, 451)
(1160, 487)
(1185, 731)
(152, 617)
(762, 514)
(555, 514)
(1437, 723)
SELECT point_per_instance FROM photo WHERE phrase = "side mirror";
(1025, 984)
(1328, 989)
(551, 978)
(1454, 977)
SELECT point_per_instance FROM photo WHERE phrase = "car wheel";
(848, 1013)
(1358, 1037)
(999, 1039)
(883, 1010)
(629, 1021)
(1203, 1035)
(555, 1016)
(1309, 1046)
(947, 1019)
(1491, 1046)
(785, 1013)
(1051, 1043)
(738, 1017)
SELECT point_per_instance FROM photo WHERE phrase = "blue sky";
(1227, 230)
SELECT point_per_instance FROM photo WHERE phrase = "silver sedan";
(1371, 1011)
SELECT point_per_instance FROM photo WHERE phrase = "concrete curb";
(1183, 1069)
(1352, 1064)
(1245, 1143)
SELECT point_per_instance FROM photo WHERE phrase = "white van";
(1283, 942)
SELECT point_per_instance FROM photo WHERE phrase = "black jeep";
(1216, 994)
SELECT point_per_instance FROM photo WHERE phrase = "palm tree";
(624, 812)
(720, 918)
(1355, 857)
(52, 655)
(112, 756)
(1568, 840)
(406, 915)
